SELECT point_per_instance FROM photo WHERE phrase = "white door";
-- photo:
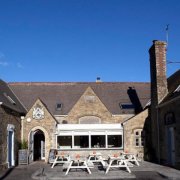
(31, 147)
(171, 146)
(10, 145)
(42, 150)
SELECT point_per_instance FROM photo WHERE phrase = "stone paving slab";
(158, 172)
(43, 171)
(57, 173)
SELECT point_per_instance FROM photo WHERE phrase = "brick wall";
(158, 88)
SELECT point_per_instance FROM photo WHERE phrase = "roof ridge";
(72, 83)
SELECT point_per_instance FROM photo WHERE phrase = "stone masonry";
(8, 116)
(47, 125)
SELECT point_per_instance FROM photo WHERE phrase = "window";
(64, 142)
(139, 139)
(58, 106)
(126, 106)
(169, 118)
(98, 141)
(114, 141)
(177, 89)
(9, 99)
(81, 141)
(89, 99)
(87, 140)
(89, 120)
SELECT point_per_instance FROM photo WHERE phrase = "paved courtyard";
(43, 171)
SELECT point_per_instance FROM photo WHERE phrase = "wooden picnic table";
(61, 158)
(78, 164)
(130, 157)
(116, 162)
(95, 157)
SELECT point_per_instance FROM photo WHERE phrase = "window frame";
(90, 134)
(138, 138)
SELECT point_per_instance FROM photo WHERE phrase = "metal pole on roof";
(167, 35)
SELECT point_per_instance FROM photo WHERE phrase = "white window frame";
(139, 137)
(89, 134)
(89, 129)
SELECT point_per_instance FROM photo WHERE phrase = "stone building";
(164, 109)
(83, 116)
(11, 111)
(87, 116)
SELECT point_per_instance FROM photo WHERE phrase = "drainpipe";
(158, 145)
(22, 128)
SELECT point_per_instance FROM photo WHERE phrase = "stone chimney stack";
(158, 71)
(159, 90)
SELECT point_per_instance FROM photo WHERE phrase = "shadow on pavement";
(8, 171)
(149, 175)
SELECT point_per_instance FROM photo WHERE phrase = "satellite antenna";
(167, 35)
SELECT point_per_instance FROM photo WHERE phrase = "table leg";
(87, 167)
(136, 162)
(54, 162)
(69, 167)
(107, 170)
(125, 163)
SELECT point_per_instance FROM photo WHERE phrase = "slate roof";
(173, 83)
(9, 99)
(68, 93)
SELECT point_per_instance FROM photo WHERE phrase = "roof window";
(9, 99)
(177, 89)
(126, 106)
(58, 106)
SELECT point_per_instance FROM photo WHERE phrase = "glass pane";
(137, 133)
(114, 141)
(64, 142)
(142, 142)
(137, 142)
(98, 141)
(81, 141)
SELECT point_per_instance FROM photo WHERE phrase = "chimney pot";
(98, 79)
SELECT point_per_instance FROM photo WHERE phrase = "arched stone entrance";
(38, 144)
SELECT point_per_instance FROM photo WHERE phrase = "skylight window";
(177, 89)
(58, 106)
(126, 106)
(9, 99)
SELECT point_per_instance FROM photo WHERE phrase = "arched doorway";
(43, 144)
(39, 145)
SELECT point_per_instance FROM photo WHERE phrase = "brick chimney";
(158, 71)
(159, 90)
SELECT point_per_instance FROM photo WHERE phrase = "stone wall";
(165, 124)
(47, 125)
(90, 105)
(134, 123)
(7, 116)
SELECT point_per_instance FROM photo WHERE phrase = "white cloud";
(4, 63)
(19, 65)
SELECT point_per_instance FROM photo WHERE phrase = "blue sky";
(79, 40)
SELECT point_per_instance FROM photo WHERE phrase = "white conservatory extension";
(89, 136)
